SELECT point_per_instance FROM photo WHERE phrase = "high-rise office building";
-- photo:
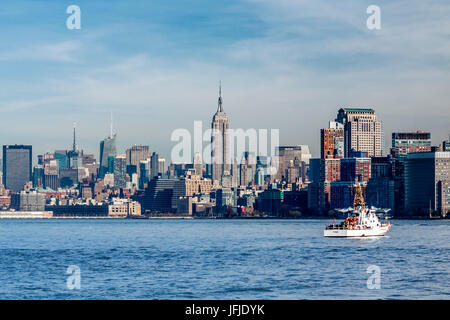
(262, 170)
(235, 179)
(38, 176)
(259, 177)
(89, 162)
(198, 165)
(355, 169)
(409, 142)
(161, 166)
(446, 145)
(16, 166)
(251, 166)
(427, 183)
(177, 169)
(330, 170)
(68, 177)
(321, 174)
(380, 191)
(120, 171)
(107, 150)
(381, 167)
(144, 169)
(131, 169)
(46, 158)
(225, 197)
(51, 174)
(61, 157)
(243, 171)
(362, 131)
(74, 156)
(154, 165)
(220, 142)
(136, 154)
(332, 141)
(189, 186)
(289, 159)
(404, 143)
(158, 195)
(87, 159)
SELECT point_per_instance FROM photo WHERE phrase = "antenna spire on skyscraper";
(220, 109)
(74, 147)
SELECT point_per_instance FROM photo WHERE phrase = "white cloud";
(295, 77)
(64, 51)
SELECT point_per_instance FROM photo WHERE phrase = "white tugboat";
(360, 222)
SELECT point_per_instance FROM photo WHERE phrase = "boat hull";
(355, 233)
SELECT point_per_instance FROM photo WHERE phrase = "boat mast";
(358, 200)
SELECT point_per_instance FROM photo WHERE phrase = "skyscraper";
(427, 183)
(404, 143)
(144, 169)
(38, 176)
(120, 166)
(243, 171)
(158, 195)
(189, 186)
(446, 145)
(198, 165)
(161, 166)
(154, 165)
(16, 166)
(362, 131)
(51, 174)
(107, 149)
(321, 174)
(332, 141)
(262, 170)
(61, 157)
(235, 174)
(289, 157)
(74, 156)
(136, 154)
(408, 142)
(355, 169)
(251, 166)
(220, 153)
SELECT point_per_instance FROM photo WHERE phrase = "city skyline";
(125, 148)
(223, 154)
(277, 65)
(112, 136)
(318, 184)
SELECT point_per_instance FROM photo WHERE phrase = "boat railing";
(344, 227)
(336, 227)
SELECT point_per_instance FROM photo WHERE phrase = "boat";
(360, 222)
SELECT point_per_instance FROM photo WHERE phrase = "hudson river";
(219, 259)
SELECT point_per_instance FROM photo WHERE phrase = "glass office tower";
(16, 166)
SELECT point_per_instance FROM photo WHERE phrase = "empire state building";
(220, 142)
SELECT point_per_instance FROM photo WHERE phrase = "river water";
(219, 259)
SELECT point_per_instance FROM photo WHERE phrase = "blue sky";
(156, 65)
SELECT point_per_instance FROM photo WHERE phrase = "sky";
(156, 65)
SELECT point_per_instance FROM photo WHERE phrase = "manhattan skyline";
(157, 66)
